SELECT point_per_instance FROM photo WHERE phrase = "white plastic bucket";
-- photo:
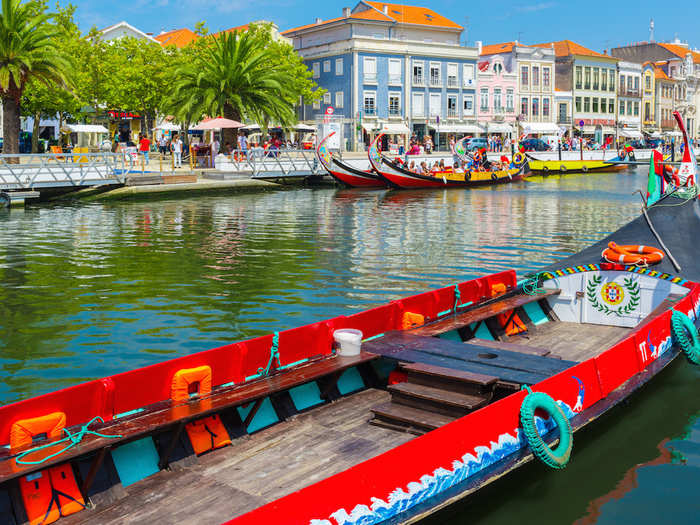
(349, 341)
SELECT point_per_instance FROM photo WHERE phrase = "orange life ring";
(632, 254)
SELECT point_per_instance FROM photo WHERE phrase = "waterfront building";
(649, 122)
(563, 102)
(629, 100)
(498, 87)
(536, 68)
(592, 79)
(389, 67)
(183, 37)
(124, 29)
(664, 100)
(680, 64)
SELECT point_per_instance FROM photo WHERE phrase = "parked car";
(534, 145)
(475, 143)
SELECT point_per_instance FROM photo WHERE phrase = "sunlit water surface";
(92, 290)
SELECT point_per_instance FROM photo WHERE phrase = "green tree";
(29, 50)
(237, 75)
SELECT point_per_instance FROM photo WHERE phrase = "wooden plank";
(411, 416)
(464, 402)
(511, 347)
(449, 373)
(480, 313)
(169, 415)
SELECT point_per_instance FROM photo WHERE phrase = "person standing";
(243, 144)
(176, 149)
(215, 146)
(144, 147)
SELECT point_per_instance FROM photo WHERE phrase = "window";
(545, 77)
(339, 99)
(524, 106)
(498, 69)
(370, 69)
(636, 109)
(578, 104)
(418, 104)
(434, 74)
(535, 107)
(587, 78)
(594, 105)
(545, 107)
(647, 82)
(596, 78)
(579, 77)
(468, 74)
(370, 103)
(629, 108)
(636, 84)
(452, 80)
(394, 104)
(604, 81)
(338, 66)
(316, 69)
(418, 77)
(524, 76)
(435, 104)
(451, 106)
(630, 80)
(535, 75)
(603, 104)
(647, 111)
(327, 97)
(497, 100)
(484, 98)
(326, 66)
(509, 100)
(394, 71)
(622, 83)
(468, 105)
(611, 106)
(611, 79)
(586, 104)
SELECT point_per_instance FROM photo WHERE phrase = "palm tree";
(235, 75)
(28, 50)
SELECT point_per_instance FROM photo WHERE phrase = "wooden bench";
(167, 415)
(511, 347)
(479, 313)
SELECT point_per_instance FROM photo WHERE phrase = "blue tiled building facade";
(383, 70)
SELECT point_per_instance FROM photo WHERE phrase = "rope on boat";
(274, 355)
(73, 438)
(457, 298)
(658, 238)
(531, 284)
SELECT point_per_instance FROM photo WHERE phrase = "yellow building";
(649, 123)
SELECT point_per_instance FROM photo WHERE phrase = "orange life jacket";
(182, 379)
(23, 431)
(511, 323)
(50, 494)
(207, 434)
(411, 320)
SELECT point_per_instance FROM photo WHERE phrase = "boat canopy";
(456, 128)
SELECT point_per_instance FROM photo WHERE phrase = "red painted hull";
(354, 178)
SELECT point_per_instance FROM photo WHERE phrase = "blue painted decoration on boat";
(452, 335)
(535, 313)
(483, 332)
(350, 381)
(306, 396)
(265, 416)
(136, 460)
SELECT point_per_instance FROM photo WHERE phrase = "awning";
(369, 127)
(672, 133)
(630, 133)
(456, 128)
(86, 128)
(304, 128)
(168, 126)
(590, 130)
(540, 127)
(499, 127)
(251, 127)
(653, 134)
(395, 129)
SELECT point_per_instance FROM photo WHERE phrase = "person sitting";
(423, 168)
(412, 166)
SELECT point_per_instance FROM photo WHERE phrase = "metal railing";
(52, 170)
(281, 162)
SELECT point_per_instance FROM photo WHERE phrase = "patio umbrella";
(218, 123)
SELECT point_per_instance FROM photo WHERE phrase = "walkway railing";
(283, 162)
(51, 170)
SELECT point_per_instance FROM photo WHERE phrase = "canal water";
(92, 290)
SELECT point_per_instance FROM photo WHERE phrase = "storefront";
(124, 126)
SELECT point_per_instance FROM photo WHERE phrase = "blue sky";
(597, 24)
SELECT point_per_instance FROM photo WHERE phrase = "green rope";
(526, 387)
(457, 298)
(73, 438)
(531, 284)
(274, 355)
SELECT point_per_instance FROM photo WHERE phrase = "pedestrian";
(215, 146)
(176, 149)
(144, 147)
(243, 145)
(163, 144)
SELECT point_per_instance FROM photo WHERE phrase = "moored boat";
(541, 164)
(275, 429)
(344, 173)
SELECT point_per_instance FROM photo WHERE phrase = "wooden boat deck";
(257, 469)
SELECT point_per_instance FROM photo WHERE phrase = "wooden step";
(511, 347)
(436, 399)
(411, 418)
(460, 381)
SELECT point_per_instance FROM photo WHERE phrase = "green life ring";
(559, 457)
(687, 336)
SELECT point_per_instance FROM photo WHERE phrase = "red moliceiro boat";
(344, 173)
(399, 176)
(275, 429)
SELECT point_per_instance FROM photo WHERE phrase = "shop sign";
(123, 115)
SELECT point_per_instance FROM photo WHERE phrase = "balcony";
(370, 78)
(395, 79)
(418, 80)
(394, 112)
(452, 82)
(370, 112)
(668, 123)
(624, 92)
(435, 82)
(561, 119)
(452, 113)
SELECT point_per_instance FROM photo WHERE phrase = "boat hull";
(574, 166)
(353, 178)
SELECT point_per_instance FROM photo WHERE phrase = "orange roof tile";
(492, 49)
(564, 48)
(660, 74)
(177, 37)
(403, 14)
(240, 29)
(681, 51)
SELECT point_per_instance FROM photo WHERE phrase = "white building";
(629, 100)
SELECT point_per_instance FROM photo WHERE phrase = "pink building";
(497, 89)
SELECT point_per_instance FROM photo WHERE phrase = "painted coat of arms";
(612, 298)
